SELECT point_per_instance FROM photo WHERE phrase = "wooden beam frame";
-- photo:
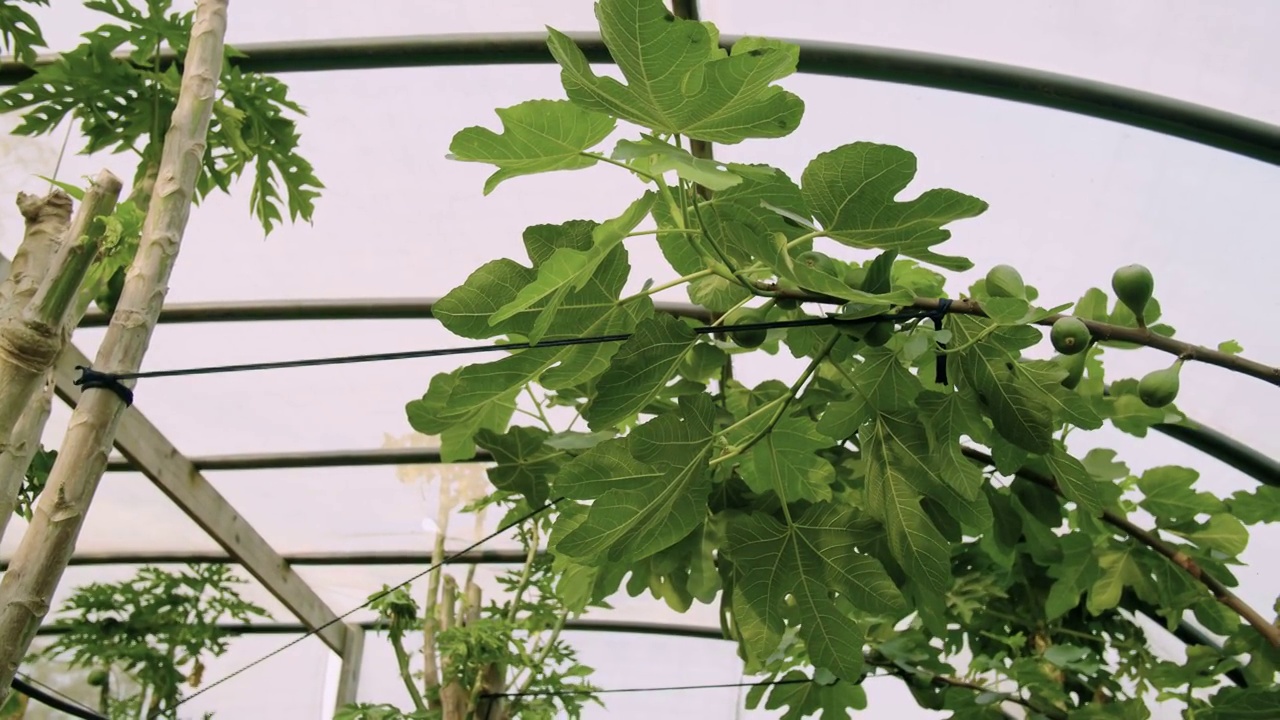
(349, 675)
(152, 453)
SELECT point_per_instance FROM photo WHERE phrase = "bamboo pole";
(33, 332)
(29, 584)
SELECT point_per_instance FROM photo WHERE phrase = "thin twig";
(1220, 592)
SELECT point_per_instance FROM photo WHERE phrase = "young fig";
(1005, 281)
(818, 261)
(1160, 387)
(1069, 335)
(97, 677)
(753, 338)
(1133, 286)
(879, 334)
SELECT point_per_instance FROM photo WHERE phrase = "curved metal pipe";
(1188, 121)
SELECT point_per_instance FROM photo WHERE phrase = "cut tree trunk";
(28, 586)
(16, 460)
(46, 221)
(33, 332)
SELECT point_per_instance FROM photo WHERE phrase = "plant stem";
(667, 285)
(806, 238)
(787, 400)
(525, 574)
(605, 159)
(431, 669)
(1100, 331)
(406, 674)
(1220, 592)
(540, 414)
(544, 652)
(893, 668)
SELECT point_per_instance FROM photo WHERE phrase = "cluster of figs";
(1070, 336)
(1133, 286)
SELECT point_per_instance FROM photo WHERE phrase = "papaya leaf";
(678, 79)
(650, 488)
(538, 136)
(851, 191)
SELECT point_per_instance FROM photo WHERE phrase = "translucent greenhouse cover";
(1071, 198)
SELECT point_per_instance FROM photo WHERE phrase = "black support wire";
(52, 699)
(371, 599)
(1187, 121)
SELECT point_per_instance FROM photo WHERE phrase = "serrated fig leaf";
(771, 249)
(640, 369)
(1078, 485)
(892, 499)
(785, 462)
(650, 488)
(851, 191)
(678, 79)
(661, 157)
(1075, 574)
(884, 381)
(1013, 403)
(570, 270)
(434, 414)
(475, 389)
(524, 461)
(538, 136)
(908, 442)
(775, 562)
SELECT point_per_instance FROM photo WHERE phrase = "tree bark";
(33, 332)
(16, 460)
(38, 564)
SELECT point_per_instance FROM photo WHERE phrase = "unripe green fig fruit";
(854, 276)
(818, 261)
(97, 677)
(749, 338)
(1074, 365)
(786, 303)
(879, 334)
(1158, 388)
(1133, 286)
(1069, 335)
(1005, 281)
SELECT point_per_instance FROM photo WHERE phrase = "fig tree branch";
(1220, 592)
(1099, 330)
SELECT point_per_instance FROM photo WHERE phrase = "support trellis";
(145, 449)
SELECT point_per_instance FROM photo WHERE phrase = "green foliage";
(124, 104)
(156, 630)
(868, 516)
(19, 31)
(33, 484)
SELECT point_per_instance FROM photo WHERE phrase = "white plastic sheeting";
(1071, 199)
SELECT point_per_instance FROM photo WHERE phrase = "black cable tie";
(90, 378)
(937, 315)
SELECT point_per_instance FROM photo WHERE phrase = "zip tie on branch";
(369, 601)
(90, 378)
(93, 378)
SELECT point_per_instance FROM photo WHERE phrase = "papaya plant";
(143, 638)
(908, 504)
(119, 88)
(498, 660)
